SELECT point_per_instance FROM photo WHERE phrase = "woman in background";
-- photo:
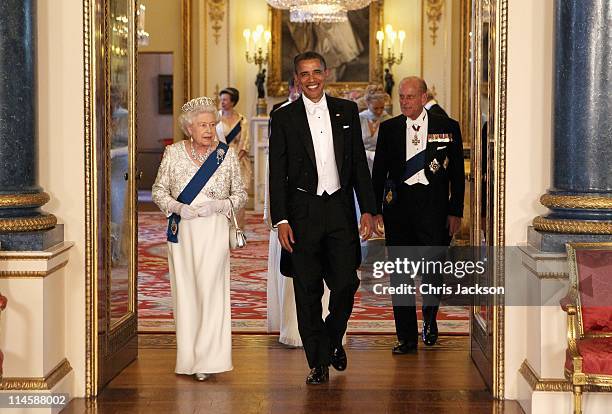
(371, 118)
(198, 209)
(234, 131)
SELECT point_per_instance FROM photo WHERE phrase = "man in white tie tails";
(317, 160)
(418, 178)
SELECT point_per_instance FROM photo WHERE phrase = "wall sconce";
(392, 42)
(257, 51)
(143, 35)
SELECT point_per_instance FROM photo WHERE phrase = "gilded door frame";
(96, 128)
(497, 117)
(90, 10)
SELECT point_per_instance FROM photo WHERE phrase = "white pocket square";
(345, 126)
(442, 147)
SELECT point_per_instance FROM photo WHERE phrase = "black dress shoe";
(318, 375)
(430, 333)
(404, 347)
(338, 358)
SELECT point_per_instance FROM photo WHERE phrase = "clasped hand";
(205, 209)
(287, 240)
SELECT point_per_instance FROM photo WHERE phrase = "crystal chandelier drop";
(318, 11)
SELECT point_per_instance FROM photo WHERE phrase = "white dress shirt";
(323, 142)
(419, 124)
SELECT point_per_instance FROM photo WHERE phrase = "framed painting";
(349, 49)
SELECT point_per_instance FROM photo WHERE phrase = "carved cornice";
(572, 226)
(433, 11)
(18, 224)
(538, 384)
(35, 384)
(563, 385)
(567, 201)
(30, 274)
(23, 200)
(553, 275)
(216, 12)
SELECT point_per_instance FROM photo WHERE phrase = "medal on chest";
(415, 138)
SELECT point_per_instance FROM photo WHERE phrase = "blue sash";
(235, 131)
(193, 188)
(414, 165)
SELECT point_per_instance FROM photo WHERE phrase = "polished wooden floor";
(269, 378)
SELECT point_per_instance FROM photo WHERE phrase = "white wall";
(61, 154)
(163, 22)
(151, 125)
(242, 74)
(528, 144)
(405, 15)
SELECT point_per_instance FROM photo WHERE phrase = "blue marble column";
(22, 225)
(580, 200)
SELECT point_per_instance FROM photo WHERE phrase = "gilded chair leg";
(577, 399)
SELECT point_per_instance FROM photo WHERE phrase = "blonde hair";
(375, 92)
(195, 107)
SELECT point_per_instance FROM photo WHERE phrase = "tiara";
(197, 103)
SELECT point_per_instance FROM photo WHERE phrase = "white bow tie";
(312, 108)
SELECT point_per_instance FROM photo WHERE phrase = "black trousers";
(418, 218)
(326, 246)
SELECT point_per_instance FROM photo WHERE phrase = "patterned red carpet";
(248, 286)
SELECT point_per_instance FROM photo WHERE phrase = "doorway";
(99, 96)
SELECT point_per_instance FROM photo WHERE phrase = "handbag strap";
(233, 214)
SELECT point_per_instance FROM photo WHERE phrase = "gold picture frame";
(277, 86)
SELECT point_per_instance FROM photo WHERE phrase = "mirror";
(120, 163)
(483, 149)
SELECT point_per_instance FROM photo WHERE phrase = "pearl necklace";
(198, 157)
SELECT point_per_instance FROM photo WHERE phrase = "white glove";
(186, 211)
(216, 206)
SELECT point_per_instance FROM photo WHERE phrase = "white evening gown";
(200, 280)
(199, 263)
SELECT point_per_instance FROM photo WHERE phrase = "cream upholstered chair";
(588, 361)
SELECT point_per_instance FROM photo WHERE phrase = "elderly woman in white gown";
(197, 185)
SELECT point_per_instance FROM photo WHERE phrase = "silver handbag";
(237, 238)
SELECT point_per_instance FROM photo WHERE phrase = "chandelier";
(318, 11)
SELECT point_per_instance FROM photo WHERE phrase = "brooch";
(434, 166)
(389, 197)
(220, 155)
(445, 163)
(174, 227)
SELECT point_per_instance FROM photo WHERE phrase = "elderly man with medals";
(198, 185)
(418, 178)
